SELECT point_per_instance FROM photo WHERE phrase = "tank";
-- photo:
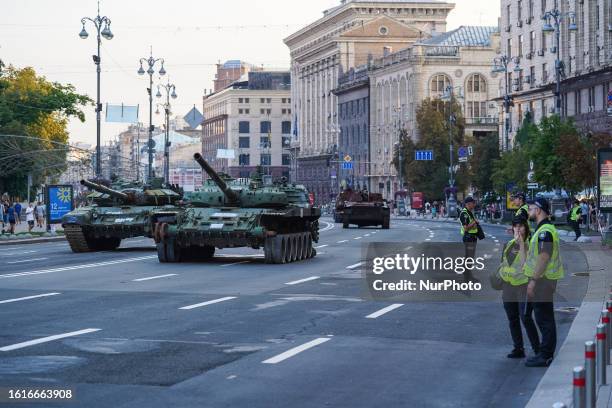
(362, 208)
(227, 213)
(113, 214)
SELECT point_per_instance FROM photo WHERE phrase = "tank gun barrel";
(229, 193)
(103, 189)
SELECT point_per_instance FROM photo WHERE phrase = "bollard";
(600, 355)
(579, 388)
(591, 380)
(609, 336)
(605, 320)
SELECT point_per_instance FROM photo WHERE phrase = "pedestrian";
(469, 232)
(544, 268)
(514, 290)
(2, 212)
(30, 217)
(584, 208)
(5, 212)
(18, 212)
(40, 214)
(575, 215)
(11, 218)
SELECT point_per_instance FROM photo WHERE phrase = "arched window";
(438, 85)
(476, 97)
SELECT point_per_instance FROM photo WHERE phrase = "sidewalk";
(23, 236)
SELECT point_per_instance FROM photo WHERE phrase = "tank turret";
(105, 190)
(229, 193)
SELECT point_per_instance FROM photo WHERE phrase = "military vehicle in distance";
(225, 213)
(362, 208)
(115, 214)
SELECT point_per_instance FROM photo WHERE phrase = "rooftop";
(465, 36)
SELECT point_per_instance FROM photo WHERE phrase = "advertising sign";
(604, 180)
(59, 199)
(509, 204)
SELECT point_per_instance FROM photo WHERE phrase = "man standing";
(40, 214)
(518, 199)
(575, 216)
(544, 268)
(18, 212)
(469, 232)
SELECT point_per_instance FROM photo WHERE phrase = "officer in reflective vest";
(574, 218)
(514, 289)
(469, 232)
(544, 268)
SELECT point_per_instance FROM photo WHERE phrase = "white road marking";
(29, 297)
(210, 302)
(296, 350)
(302, 280)
(47, 339)
(321, 246)
(357, 237)
(27, 260)
(329, 226)
(17, 253)
(235, 263)
(366, 235)
(495, 249)
(428, 239)
(497, 240)
(342, 242)
(154, 277)
(357, 265)
(76, 267)
(384, 310)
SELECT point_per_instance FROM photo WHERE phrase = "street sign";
(59, 199)
(533, 186)
(463, 159)
(463, 152)
(530, 176)
(347, 158)
(347, 166)
(470, 151)
(423, 155)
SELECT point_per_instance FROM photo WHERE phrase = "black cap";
(468, 200)
(519, 219)
(518, 194)
(541, 203)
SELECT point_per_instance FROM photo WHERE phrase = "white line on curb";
(27, 260)
(302, 280)
(29, 297)
(47, 339)
(154, 277)
(210, 302)
(384, 310)
(357, 265)
(296, 350)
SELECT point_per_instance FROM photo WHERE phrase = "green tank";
(113, 214)
(227, 213)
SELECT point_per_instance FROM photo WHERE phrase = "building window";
(244, 142)
(476, 83)
(265, 142)
(476, 96)
(509, 48)
(265, 126)
(543, 7)
(240, 111)
(531, 77)
(286, 127)
(544, 74)
(532, 40)
(244, 160)
(520, 10)
(244, 127)
(286, 160)
(246, 100)
(531, 9)
(262, 100)
(286, 140)
(508, 15)
(520, 45)
(240, 100)
(266, 159)
(438, 84)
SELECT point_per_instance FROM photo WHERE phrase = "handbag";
(497, 283)
(480, 234)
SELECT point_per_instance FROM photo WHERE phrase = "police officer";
(469, 232)
(574, 218)
(518, 199)
(514, 288)
(544, 268)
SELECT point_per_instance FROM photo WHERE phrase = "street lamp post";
(557, 18)
(449, 95)
(151, 63)
(170, 92)
(500, 65)
(105, 32)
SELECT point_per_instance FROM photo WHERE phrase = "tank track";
(76, 238)
(287, 248)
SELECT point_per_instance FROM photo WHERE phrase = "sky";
(191, 36)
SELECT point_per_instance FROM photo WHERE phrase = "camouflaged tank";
(226, 213)
(115, 213)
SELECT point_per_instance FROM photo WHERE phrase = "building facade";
(460, 59)
(248, 125)
(584, 52)
(353, 94)
(230, 72)
(345, 37)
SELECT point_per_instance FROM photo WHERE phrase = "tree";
(486, 152)
(38, 111)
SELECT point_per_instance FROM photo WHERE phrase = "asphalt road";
(236, 332)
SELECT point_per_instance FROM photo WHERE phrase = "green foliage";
(486, 152)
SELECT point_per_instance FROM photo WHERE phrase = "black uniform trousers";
(519, 310)
(545, 315)
(576, 226)
(469, 242)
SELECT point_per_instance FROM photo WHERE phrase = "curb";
(32, 240)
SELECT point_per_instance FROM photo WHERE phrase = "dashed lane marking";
(342, 242)
(154, 277)
(29, 297)
(16, 253)
(384, 311)
(357, 265)
(321, 246)
(210, 302)
(27, 260)
(302, 280)
(357, 237)
(235, 263)
(47, 339)
(296, 350)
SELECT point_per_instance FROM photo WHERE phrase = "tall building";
(460, 59)
(345, 37)
(585, 55)
(230, 72)
(248, 125)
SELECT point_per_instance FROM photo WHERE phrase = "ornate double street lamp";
(151, 64)
(500, 65)
(170, 92)
(102, 26)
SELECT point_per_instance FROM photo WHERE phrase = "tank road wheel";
(297, 248)
(301, 254)
(76, 238)
(161, 252)
(278, 249)
(308, 247)
(288, 247)
(173, 251)
(269, 250)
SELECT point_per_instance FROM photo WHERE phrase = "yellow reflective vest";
(474, 229)
(554, 270)
(574, 214)
(512, 273)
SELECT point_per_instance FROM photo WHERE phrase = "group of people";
(11, 214)
(530, 268)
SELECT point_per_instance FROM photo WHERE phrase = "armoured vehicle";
(115, 214)
(228, 214)
(362, 208)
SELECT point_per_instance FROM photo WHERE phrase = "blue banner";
(59, 202)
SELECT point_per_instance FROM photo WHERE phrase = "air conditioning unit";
(529, 19)
(553, 49)
(540, 53)
(519, 23)
(508, 28)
